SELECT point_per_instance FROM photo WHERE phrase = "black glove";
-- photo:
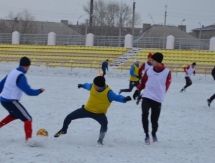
(136, 94)
(79, 86)
(139, 77)
(128, 98)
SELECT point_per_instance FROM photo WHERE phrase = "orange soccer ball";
(42, 132)
(100, 74)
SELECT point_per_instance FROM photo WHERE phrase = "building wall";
(104, 31)
(204, 34)
(208, 34)
(146, 26)
(182, 27)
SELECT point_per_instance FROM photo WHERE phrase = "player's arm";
(141, 69)
(22, 83)
(86, 86)
(143, 82)
(107, 66)
(119, 98)
(132, 71)
(186, 68)
(2, 83)
(168, 80)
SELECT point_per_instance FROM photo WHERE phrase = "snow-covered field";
(186, 126)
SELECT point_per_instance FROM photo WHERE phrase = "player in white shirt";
(144, 67)
(11, 89)
(189, 70)
(155, 83)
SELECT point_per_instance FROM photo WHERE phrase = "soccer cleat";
(27, 139)
(154, 138)
(147, 140)
(30, 142)
(101, 138)
(59, 133)
(183, 90)
(100, 142)
(209, 102)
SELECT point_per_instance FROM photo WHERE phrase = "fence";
(180, 43)
(5, 38)
(33, 39)
(190, 44)
(150, 42)
(114, 41)
(70, 40)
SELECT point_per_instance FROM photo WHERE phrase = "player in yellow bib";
(134, 78)
(96, 107)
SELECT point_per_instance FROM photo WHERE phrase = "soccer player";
(145, 65)
(96, 107)
(213, 96)
(11, 89)
(189, 70)
(155, 83)
(142, 70)
(134, 77)
(105, 67)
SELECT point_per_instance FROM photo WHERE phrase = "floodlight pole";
(181, 32)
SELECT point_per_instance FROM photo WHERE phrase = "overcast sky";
(193, 11)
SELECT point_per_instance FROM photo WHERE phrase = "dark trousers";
(104, 72)
(212, 98)
(155, 113)
(188, 82)
(82, 113)
(16, 110)
(132, 84)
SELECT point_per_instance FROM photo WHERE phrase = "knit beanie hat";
(99, 81)
(149, 55)
(24, 61)
(158, 57)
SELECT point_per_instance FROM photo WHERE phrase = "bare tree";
(23, 22)
(136, 21)
(27, 23)
(110, 15)
(11, 24)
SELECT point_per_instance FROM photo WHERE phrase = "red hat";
(149, 55)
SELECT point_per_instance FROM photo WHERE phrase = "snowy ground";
(186, 132)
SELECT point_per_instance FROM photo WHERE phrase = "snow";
(186, 125)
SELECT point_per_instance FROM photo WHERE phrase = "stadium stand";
(177, 59)
(61, 56)
(92, 57)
